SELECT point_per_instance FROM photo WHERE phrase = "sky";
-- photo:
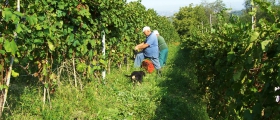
(174, 5)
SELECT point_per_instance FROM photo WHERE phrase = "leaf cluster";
(238, 67)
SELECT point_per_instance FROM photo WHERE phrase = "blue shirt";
(152, 49)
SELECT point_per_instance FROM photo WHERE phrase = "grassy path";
(180, 100)
(170, 97)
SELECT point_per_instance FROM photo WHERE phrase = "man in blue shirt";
(149, 49)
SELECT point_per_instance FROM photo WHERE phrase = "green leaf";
(53, 76)
(41, 18)
(70, 39)
(61, 5)
(46, 85)
(51, 46)
(249, 47)
(90, 53)
(92, 43)
(15, 74)
(69, 29)
(250, 59)
(11, 47)
(3, 87)
(32, 20)
(7, 14)
(269, 8)
(18, 29)
(253, 89)
(38, 41)
(16, 59)
(102, 62)
(18, 13)
(59, 24)
(254, 36)
(76, 43)
(237, 74)
(84, 12)
(230, 56)
(59, 13)
(81, 67)
(45, 71)
(265, 45)
(213, 30)
(38, 27)
(3, 52)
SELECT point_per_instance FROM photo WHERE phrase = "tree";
(188, 19)
(260, 13)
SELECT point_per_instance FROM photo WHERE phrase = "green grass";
(172, 96)
(180, 99)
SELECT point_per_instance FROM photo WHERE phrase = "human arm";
(141, 46)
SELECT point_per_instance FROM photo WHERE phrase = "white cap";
(146, 28)
(156, 32)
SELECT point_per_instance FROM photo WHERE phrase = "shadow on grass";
(180, 98)
(18, 86)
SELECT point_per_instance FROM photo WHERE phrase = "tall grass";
(172, 96)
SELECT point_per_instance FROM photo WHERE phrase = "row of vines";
(238, 65)
(47, 40)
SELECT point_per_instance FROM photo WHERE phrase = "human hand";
(136, 48)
